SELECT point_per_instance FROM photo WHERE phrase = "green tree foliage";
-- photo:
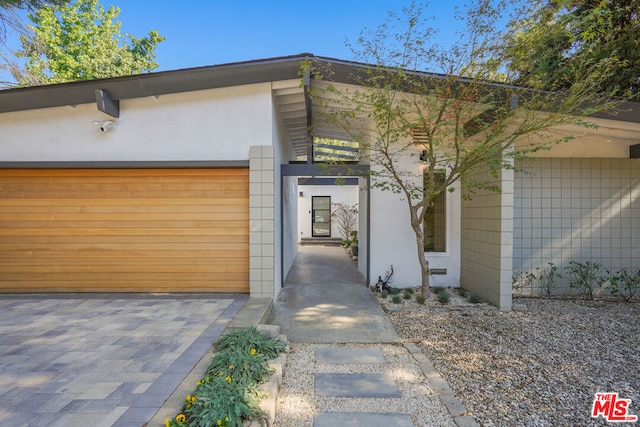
(413, 126)
(81, 41)
(548, 46)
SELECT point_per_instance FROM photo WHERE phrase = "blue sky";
(212, 32)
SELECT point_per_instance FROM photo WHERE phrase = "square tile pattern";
(101, 360)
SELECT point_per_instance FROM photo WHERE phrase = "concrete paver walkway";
(325, 300)
(101, 360)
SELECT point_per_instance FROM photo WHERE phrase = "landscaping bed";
(538, 366)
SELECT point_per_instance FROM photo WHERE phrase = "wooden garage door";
(125, 230)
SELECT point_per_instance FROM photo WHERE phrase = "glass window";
(320, 216)
(435, 220)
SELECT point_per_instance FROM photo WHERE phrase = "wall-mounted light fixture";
(104, 125)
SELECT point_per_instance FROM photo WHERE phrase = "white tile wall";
(486, 239)
(261, 214)
(577, 209)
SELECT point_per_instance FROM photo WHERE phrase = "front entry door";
(321, 216)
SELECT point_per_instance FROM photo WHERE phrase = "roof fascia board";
(152, 84)
(225, 75)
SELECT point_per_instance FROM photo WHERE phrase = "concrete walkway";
(326, 300)
(101, 360)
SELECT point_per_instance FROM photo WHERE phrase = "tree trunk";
(416, 225)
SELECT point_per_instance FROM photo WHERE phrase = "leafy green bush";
(546, 277)
(421, 299)
(394, 291)
(625, 285)
(474, 299)
(407, 295)
(585, 276)
(384, 294)
(437, 289)
(396, 299)
(443, 297)
(246, 339)
(228, 393)
(409, 290)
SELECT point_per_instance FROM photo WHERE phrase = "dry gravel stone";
(539, 367)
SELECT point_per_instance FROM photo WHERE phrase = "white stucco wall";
(216, 124)
(393, 242)
(347, 194)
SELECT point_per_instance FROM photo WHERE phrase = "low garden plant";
(585, 277)
(396, 299)
(474, 299)
(421, 299)
(625, 285)
(228, 393)
(546, 277)
(443, 296)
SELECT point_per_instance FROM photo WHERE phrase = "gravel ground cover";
(297, 405)
(537, 367)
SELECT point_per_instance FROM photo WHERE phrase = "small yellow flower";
(228, 379)
(253, 351)
(181, 418)
(231, 366)
(198, 383)
(193, 399)
(167, 422)
(188, 398)
(188, 405)
(226, 419)
(219, 422)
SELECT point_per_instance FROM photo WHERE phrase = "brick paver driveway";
(101, 360)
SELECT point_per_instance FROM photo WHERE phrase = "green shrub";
(421, 299)
(396, 299)
(443, 297)
(384, 294)
(437, 289)
(585, 277)
(410, 290)
(228, 393)
(626, 285)
(546, 276)
(407, 295)
(394, 291)
(474, 299)
(246, 339)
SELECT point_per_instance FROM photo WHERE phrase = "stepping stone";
(357, 419)
(356, 385)
(349, 356)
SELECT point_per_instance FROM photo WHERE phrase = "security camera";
(104, 125)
